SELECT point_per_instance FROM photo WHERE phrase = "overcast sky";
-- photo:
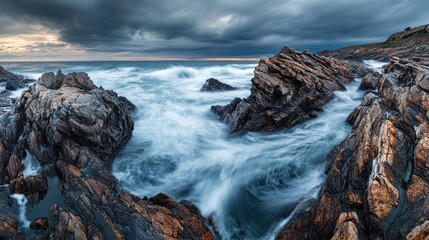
(161, 29)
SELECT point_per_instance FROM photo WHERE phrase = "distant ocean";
(250, 184)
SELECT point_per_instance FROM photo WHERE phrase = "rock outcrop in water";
(75, 130)
(412, 42)
(287, 89)
(213, 84)
(11, 82)
(377, 183)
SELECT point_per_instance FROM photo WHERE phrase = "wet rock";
(13, 81)
(369, 82)
(419, 232)
(347, 227)
(39, 224)
(369, 76)
(29, 184)
(51, 80)
(75, 130)
(287, 89)
(189, 217)
(33, 187)
(360, 69)
(15, 84)
(67, 225)
(8, 227)
(379, 172)
(8, 220)
(213, 84)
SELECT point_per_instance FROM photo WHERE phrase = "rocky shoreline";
(75, 129)
(10, 82)
(377, 184)
(412, 42)
(288, 89)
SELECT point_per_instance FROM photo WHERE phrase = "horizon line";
(234, 59)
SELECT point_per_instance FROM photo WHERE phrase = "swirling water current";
(250, 184)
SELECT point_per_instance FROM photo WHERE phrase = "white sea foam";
(249, 182)
(22, 202)
(32, 167)
(376, 65)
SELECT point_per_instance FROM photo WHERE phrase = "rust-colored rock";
(8, 227)
(75, 130)
(379, 172)
(29, 184)
(33, 187)
(190, 223)
(287, 89)
(347, 227)
(420, 232)
(39, 224)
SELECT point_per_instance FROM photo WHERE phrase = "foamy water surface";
(251, 183)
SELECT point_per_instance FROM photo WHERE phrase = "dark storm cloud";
(216, 28)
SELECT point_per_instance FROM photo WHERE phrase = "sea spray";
(250, 183)
(21, 201)
(31, 165)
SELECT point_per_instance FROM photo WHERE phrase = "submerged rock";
(377, 180)
(70, 125)
(213, 84)
(287, 89)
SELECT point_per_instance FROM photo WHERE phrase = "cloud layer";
(206, 28)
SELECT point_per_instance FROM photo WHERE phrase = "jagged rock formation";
(377, 183)
(412, 42)
(8, 218)
(369, 82)
(213, 84)
(409, 33)
(13, 81)
(75, 130)
(287, 89)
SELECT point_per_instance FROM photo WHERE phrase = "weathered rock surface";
(369, 82)
(377, 183)
(213, 84)
(76, 129)
(33, 187)
(412, 42)
(8, 219)
(40, 224)
(287, 89)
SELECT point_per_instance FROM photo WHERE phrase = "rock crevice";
(75, 130)
(379, 172)
(287, 89)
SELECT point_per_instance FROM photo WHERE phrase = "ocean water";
(250, 184)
